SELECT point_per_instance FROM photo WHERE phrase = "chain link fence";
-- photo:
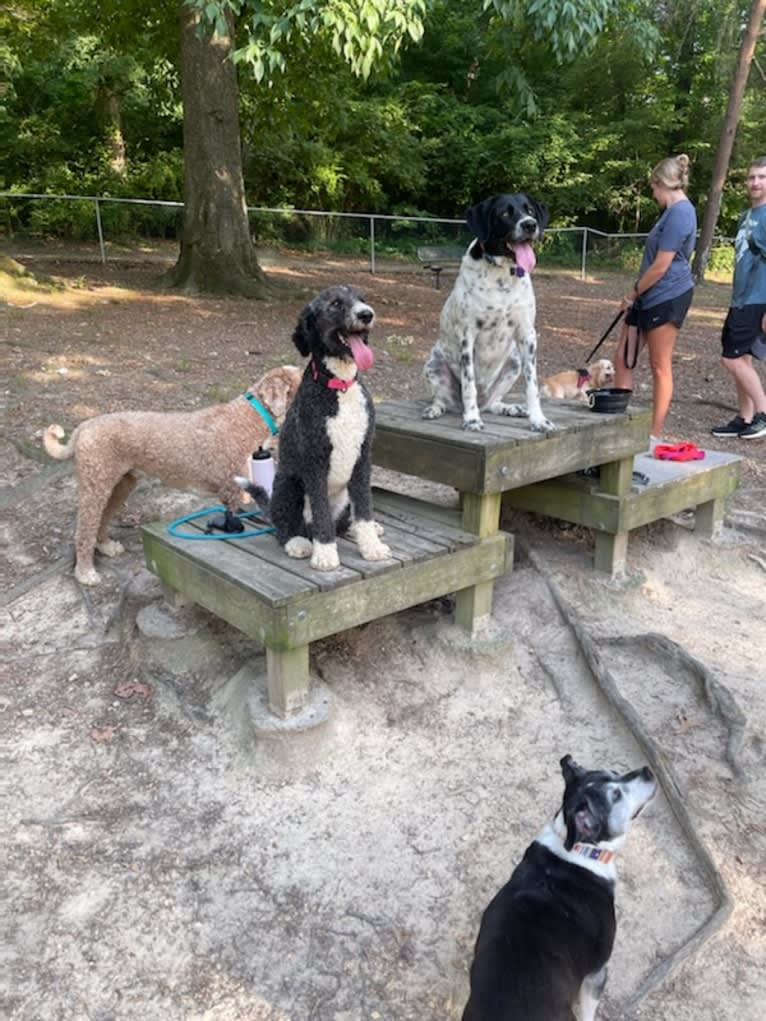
(371, 236)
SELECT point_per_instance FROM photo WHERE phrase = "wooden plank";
(674, 489)
(268, 551)
(230, 598)
(275, 584)
(437, 522)
(506, 454)
(326, 613)
(562, 452)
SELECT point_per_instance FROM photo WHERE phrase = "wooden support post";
(289, 680)
(615, 479)
(708, 518)
(481, 515)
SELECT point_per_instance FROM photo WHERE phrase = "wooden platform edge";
(316, 614)
(579, 501)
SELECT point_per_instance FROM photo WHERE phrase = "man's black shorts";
(673, 311)
(741, 330)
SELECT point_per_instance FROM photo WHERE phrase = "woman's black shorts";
(742, 333)
(672, 311)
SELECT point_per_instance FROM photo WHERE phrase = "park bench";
(439, 257)
(284, 604)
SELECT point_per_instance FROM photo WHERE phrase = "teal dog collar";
(255, 403)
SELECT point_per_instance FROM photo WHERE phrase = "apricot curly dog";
(197, 450)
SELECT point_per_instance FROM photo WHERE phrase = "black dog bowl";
(609, 400)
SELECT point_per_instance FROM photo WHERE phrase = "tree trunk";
(217, 253)
(726, 141)
(117, 156)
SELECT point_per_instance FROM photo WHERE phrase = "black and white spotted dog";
(322, 483)
(546, 938)
(487, 328)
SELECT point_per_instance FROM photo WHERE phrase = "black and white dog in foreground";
(322, 482)
(547, 936)
(487, 328)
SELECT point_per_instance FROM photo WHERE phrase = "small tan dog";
(198, 450)
(576, 384)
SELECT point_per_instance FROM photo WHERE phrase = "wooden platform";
(506, 456)
(509, 463)
(285, 604)
(701, 486)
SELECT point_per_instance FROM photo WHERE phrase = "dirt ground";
(161, 860)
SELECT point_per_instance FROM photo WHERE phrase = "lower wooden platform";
(285, 604)
(670, 487)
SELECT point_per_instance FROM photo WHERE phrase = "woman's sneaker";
(756, 428)
(733, 428)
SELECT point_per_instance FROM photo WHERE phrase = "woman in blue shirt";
(658, 303)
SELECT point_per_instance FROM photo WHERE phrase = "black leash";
(628, 364)
(605, 334)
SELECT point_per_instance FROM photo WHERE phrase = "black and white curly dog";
(322, 483)
(546, 938)
(487, 327)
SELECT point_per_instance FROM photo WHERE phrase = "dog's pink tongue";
(525, 257)
(363, 355)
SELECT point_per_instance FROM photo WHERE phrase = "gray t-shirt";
(750, 267)
(675, 231)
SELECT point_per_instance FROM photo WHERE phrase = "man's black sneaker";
(756, 428)
(733, 428)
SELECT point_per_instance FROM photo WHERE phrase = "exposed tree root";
(721, 702)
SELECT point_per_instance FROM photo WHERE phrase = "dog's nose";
(365, 315)
(528, 225)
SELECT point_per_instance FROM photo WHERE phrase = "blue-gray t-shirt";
(749, 267)
(675, 231)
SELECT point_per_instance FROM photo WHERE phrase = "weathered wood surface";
(672, 487)
(284, 603)
(506, 454)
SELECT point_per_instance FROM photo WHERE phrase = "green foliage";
(363, 34)
(391, 106)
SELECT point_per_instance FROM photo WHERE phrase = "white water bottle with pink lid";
(260, 469)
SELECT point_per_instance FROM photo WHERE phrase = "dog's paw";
(110, 548)
(299, 547)
(542, 425)
(87, 575)
(325, 557)
(434, 411)
(375, 551)
(370, 546)
(353, 530)
(473, 424)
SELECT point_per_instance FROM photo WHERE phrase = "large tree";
(217, 253)
(216, 249)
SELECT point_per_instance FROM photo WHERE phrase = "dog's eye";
(616, 795)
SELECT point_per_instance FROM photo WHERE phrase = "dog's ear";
(570, 770)
(541, 213)
(304, 332)
(478, 218)
(277, 390)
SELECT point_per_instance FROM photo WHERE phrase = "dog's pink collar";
(330, 381)
(594, 853)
